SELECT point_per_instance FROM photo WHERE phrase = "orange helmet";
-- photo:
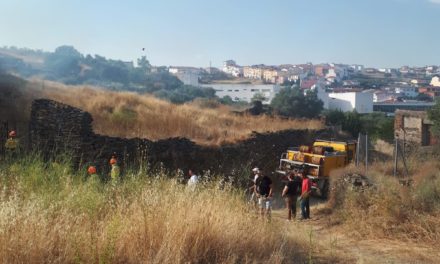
(91, 170)
(113, 161)
(12, 133)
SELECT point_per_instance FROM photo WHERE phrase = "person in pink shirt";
(305, 194)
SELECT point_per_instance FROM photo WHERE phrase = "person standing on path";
(263, 191)
(305, 195)
(290, 194)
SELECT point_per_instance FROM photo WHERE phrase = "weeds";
(390, 209)
(50, 214)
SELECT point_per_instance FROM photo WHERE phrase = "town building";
(406, 91)
(414, 127)
(245, 92)
(383, 96)
(432, 91)
(271, 75)
(231, 67)
(357, 67)
(253, 72)
(361, 102)
(435, 81)
(188, 75)
(321, 70)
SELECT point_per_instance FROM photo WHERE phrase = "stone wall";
(414, 127)
(57, 128)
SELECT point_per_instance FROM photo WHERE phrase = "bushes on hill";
(377, 125)
(292, 102)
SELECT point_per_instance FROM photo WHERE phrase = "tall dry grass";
(126, 114)
(390, 208)
(49, 214)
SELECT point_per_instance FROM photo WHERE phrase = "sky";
(375, 33)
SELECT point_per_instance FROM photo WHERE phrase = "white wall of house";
(435, 81)
(188, 78)
(245, 92)
(235, 71)
(347, 102)
(407, 91)
(188, 75)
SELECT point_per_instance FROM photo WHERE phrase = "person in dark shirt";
(290, 194)
(263, 191)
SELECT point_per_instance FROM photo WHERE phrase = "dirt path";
(334, 243)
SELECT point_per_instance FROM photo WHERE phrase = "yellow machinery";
(318, 161)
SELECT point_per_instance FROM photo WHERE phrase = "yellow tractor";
(318, 161)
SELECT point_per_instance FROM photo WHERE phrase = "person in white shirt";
(253, 200)
(193, 180)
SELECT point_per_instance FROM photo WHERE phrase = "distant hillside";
(68, 66)
(127, 114)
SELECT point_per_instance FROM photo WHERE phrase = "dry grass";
(391, 209)
(126, 114)
(51, 215)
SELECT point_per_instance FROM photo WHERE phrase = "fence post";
(366, 153)
(395, 152)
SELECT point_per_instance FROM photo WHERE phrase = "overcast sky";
(379, 33)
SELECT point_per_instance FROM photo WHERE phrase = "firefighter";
(92, 173)
(12, 144)
(115, 171)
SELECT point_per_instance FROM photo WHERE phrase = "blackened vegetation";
(56, 129)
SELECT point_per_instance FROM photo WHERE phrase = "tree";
(352, 123)
(434, 116)
(144, 64)
(334, 117)
(292, 102)
(64, 62)
(258, 97)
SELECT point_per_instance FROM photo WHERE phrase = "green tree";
(64, 62)
(352, 123)
(434, 115)
(334, 117)
(292, 102)
(144, 64)
(258, 97)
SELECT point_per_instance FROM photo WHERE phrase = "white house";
(385, 70)
(357, 67)
(230, 67)
(245, 92)
(362, 102)
(408, 91)
(435, 81)
(188, 75)
(382, 96)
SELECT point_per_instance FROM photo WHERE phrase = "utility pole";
(366, 153)
(395, 156)
(358, 150)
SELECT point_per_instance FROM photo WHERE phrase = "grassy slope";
(127, 114)
(390, 209)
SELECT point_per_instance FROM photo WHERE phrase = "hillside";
(127, 114)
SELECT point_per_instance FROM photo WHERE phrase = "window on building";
(255, 90)
(266, 90)
(236, 90)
